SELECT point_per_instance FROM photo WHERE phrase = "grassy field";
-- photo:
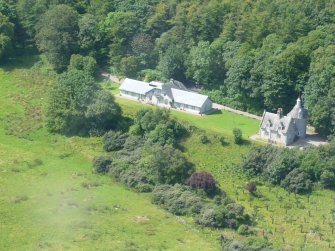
(50, 200)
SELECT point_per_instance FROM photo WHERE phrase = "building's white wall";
(188, 108)
(130, 94)
(207, 106)
(301, 125)
(273, 136)
(165, 101)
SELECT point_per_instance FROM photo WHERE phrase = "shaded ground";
(312, 139)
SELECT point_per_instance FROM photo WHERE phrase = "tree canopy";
(251, 55)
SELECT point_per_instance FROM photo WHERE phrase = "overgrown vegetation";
(293, 169)
(156, 161)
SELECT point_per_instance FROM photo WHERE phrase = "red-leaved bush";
(203, 180)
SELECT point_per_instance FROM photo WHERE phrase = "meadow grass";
(49, 199)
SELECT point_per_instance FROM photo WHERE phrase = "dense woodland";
(252, 55)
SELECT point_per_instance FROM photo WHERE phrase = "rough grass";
(49, 199)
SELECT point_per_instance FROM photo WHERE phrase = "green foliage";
(81, 63)
(77, 106)
(6, 36)
(327, 179)
(171, 63)
(281, 165)
(103, 113)
(235, 245)
(90, 37)
(204, 139)
(169, 166)
(177, 200)
(237, 136)
(161, 135)
(244, 230)
(293, 169)
(297, 181)
(57, 35)
(113, 141)
(258, 159)
(101, 164)
(219, 216)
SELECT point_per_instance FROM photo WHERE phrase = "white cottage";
(284, 129)
(173, 94)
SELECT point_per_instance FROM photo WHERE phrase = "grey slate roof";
(175, 90)
(274, 122)
(188, 98)
(136, 86)
(294, 113)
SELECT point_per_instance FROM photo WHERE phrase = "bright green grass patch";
(222, 122)
(49, 199)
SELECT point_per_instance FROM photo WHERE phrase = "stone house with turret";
(277, 128)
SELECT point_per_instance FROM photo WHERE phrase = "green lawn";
(222, 122)
(50, 200)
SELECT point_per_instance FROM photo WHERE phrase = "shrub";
(237, 136)
(244, 230)
(282, 164)
(232, 223)
(258, 159)
(327, 179)
(133, 142)
(297, 181)
(204, 139)
(169, 165)
(161, 135)
(101, 164)
(234, 211)
(222, 140)
(202, 180)
(217, 200)
(113, 141)
(234, 245)
(212, 217)
(251, 187)
(144, 188)
(147, 119)
(133, 178)
(177, 200)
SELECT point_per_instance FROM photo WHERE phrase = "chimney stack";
(280, 112)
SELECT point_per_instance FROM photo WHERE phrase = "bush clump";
(202, 180)
(113, 141)
(297, 181)
(237, 136)
(251, 187)
(101, 164)
(204, 139)
(177, 199)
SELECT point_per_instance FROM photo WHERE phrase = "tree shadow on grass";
(23, 59)
(215, 112)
